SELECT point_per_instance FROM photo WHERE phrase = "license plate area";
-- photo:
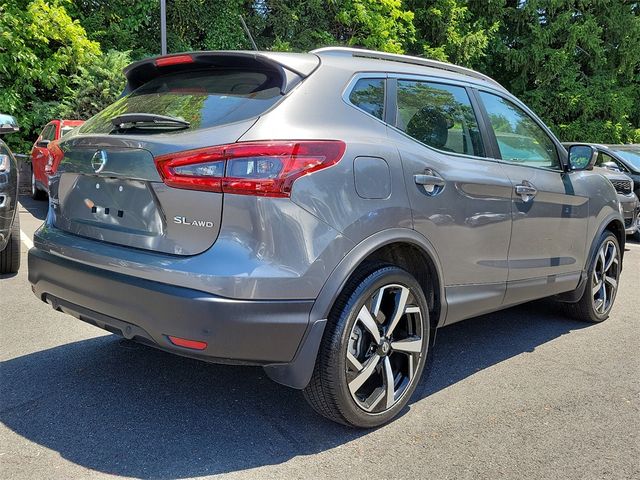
(91, 205)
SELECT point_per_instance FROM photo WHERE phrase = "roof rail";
(393, 57)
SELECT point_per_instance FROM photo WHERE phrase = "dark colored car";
(9, 218)
(621, 165)
(42, 155)
(625, 157)
(320, 215)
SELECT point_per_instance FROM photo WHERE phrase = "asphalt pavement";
(523, 393)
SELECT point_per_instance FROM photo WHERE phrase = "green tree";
(123, 25)
(95, 86)
(375, 24)
(447, 30)
(135, 25)
(293, 25)
(41, 48)
(576, 63)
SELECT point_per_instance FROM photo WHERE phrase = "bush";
(97, 85)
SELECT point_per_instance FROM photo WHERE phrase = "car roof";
(359, 59)
(351, 59)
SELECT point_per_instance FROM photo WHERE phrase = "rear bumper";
(236, 331)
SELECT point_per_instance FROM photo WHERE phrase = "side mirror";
(8, 124)
(43, 143)
(582, 157)
(611, 166)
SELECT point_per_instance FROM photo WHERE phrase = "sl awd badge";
(192, 223)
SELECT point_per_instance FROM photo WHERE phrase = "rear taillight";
(54, 158)
(253, 168)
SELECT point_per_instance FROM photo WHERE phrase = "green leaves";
(95, 86)
(574, 62)
(41, 47)
(375, 24)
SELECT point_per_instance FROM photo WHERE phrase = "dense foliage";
(41, 48)
(575, 62)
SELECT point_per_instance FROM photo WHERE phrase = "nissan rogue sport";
(319, 215)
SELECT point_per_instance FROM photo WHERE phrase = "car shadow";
(37, 208)
(125, 409)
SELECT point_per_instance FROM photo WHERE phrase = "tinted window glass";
(368, 94)
(604, 158)
(520, 139)
(440, 116)
(631, 155)
(65, 130)
(204, 98)
(49, 132)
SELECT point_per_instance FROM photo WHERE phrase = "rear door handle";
(526, 191)
(431, 182)
(426, 179)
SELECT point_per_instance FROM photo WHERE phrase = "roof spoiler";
(291, 67)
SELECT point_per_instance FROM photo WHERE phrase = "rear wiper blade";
(138, 120)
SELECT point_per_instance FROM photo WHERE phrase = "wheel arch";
(392, 245)
(396, 246)
(615, 225)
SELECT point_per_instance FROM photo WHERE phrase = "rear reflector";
(265, 169)
(192, 344)
(173, 60)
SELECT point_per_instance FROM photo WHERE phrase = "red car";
(41, 154)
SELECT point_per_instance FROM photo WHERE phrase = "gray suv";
(319, 215)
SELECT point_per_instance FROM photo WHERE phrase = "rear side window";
(440, 116)
(368, 95)
(204, 98)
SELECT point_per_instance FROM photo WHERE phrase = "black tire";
(636, 236)
(36, 193)
(586, 309)
(329, 392)
(10, 256)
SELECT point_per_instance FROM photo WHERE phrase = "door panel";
(549, 219)
(461, 203)
(549, 230)
(469, 220)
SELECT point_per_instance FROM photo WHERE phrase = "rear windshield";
(204, 98)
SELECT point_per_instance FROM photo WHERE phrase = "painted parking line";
(26, 240)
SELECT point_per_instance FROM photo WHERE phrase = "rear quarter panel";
(316, 110)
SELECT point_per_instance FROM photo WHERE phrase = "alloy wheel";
(384, 348)
(605, 276)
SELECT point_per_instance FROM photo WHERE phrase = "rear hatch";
(107, 185)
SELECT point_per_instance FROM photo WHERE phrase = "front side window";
(440, 116)
(368, 95)
(520, 139)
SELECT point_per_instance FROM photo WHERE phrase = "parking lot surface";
(523, 393)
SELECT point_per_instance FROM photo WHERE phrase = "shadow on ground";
(37, 208)
(125, 409)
